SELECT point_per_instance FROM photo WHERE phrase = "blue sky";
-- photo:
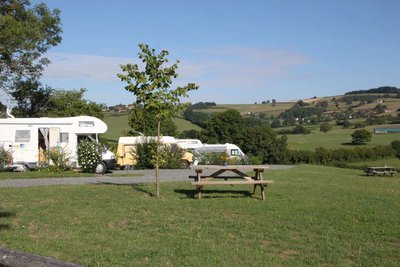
(236, 51)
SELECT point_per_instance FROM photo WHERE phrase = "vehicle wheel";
(185, 164)
(100, 168)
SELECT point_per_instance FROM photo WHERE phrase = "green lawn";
(312, 215)
(42, 174)
(337, 138)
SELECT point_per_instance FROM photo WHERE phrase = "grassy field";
(118, 123)
(312, 215)
(337, 138)
(42, 174)
(271, 110)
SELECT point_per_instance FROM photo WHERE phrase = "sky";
(238, 52)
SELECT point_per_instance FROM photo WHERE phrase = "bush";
(361, 137)
(341, 156)
(5, 159)
(58, 158)
(396, 146)
(89, 155)
(300, 130)
(170, 156)
(210, 158)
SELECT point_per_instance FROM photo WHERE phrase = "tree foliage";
(325, 127)
(145, 122)
(32, 98)
(25, 36)
(361, 137)
(65, 103)
(258, 141)
(152, 88)
(224, 127)
(152, 85)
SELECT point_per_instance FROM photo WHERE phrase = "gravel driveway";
(140, 176)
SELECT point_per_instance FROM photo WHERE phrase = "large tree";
(32, 98)
(152, 88)
(225, 127)
(64, 103)
(26, 33)
(143, 121)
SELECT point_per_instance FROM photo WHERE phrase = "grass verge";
(312, 215)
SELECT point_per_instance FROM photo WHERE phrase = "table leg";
(262, 192)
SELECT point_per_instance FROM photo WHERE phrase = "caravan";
(28, 138)
(232, 151)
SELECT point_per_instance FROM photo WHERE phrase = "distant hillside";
(379, 90)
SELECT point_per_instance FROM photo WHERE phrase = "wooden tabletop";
(231, 167)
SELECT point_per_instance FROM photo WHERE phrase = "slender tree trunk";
(158, 160)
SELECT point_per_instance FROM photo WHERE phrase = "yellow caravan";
(126, 149)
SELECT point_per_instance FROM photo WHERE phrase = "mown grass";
(312, 215)
(42, 174)
(391, 162)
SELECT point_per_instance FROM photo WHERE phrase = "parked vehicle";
(28, 139)
(232, 151)
(126, 149)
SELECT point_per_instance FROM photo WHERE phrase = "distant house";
(118, 108)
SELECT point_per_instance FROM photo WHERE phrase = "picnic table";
(380, 170)
(239, 176)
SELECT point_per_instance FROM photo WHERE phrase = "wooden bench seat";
(200, 184)
(256, 182)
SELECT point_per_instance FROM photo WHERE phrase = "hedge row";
(340, 156)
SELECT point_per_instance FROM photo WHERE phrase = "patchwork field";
(312, 215)
(337, 138)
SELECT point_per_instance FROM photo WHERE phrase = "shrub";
(396, 146)
(340, 157)
(58, 158)
(300, 130)
(210, 158)
(5, 158)
(89, 154)
(170, 156)
(361, 137)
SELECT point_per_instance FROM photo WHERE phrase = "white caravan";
(27, 138)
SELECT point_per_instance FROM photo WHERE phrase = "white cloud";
(232, 73)
(66, 66)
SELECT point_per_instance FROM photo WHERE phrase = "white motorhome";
(27, 138)
(189, 143)
(233, 151)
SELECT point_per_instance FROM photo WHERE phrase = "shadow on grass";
(5, 214)
(352, 144)
(208, 193)
(136, 187)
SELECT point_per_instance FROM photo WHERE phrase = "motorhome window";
(86, 123)
(235, 152)
(64, 138)
(22, 136)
